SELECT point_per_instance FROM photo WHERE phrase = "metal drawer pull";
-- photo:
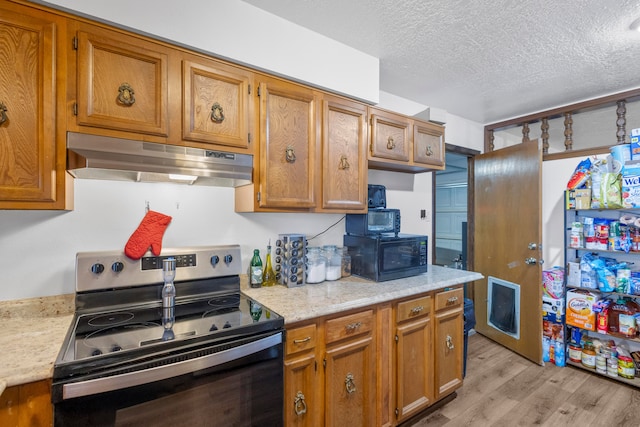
(429, 151)
(3, 113)
(217, 114)
(452, 300)
(299, 404)
(390, 143)
(349, 384)
(417, 309)
(307, 339)
(450, 345)
(353, 326)
(290, 154)
(344, 163)
(125, 94)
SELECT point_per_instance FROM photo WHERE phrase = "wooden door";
(507, 220)
(414, 367)
(122, 82)
(216, 103)
(301, 403)
(350, 387)
(428, 145)
(344, 155)
(287, 145)
(390, 136)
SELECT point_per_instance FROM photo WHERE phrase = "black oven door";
(237, 385)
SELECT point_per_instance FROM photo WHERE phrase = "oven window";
(247, 391)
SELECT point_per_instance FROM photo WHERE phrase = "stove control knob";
(226, 325)
(97, 268)
(96, 352)
(213, 328)
(215, 260)
(116, 347)
(228, 259)
(117, 266)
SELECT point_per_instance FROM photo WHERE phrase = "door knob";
(531, 261)
(532, 246)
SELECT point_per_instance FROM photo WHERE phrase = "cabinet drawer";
(413, 308)
(300, 339)
(449, 299)
(348, 326)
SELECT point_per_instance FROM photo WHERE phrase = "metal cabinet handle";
(303, 340)
(417, 309)
(452, 300)
(217, 113)
(429, 151)
(3, 113)
(349, 383)
(353, 326)
(125, 94)
(390, 143)
(299, 404)
(290, 154)
(344, 163)
(450, 345)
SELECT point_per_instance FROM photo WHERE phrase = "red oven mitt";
(148, 233)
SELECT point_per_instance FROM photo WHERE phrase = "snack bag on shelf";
(580, 175)
(611, 191)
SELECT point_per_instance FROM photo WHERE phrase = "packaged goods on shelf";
(573, 274)
(553, 282)
(553, 309)
(579, 198)
(634, 139)
(579, 311)
(553, 343)
(631, 184)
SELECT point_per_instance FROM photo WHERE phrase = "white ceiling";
(485, 60)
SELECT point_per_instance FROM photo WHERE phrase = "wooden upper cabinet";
(32, 157)
(288, 133)
(344, 155)
(428, 145)
(390, 136)
(122, 82)
(216, 103)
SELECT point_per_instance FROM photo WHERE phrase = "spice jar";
(346, 262)
(334, 262)
(316, 265)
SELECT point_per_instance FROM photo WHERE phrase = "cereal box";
(579, 311)
(631, 185)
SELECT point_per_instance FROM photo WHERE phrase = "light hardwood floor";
(504, 389)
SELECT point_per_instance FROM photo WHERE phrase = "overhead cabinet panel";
(122, 83)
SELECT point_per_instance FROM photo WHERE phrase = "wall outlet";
(423, 214)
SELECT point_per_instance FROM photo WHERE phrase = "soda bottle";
(268, 277)
(255, 279)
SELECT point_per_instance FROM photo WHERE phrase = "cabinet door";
(344, 156)
(414, 379)
(301, 404)
(215, 103)
(27, 405)
(390, 135)
(287, 145)
(350, 383)
(28, 154)
(449, 342)
(428, 145)
(122, 82)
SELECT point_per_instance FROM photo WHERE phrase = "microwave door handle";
(132, 379)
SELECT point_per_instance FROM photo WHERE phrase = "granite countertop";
(31, 337)
(326, 298)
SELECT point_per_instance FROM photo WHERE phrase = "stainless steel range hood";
(100, 157)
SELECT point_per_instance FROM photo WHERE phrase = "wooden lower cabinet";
(27, 405)
(449, 341)
(336, 367)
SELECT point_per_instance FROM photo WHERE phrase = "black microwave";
(387, 256)
(375, 222)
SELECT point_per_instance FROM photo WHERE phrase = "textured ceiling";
(484, 61)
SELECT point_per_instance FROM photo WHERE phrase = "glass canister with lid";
(334, 262)
(316, 265)
(346, 262)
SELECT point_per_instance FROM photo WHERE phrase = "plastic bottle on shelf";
(334, 262)
(268, 276)
(255, 270)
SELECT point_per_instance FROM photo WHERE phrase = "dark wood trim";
(579, 107)
(576, 153)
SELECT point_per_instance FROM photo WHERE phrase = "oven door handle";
(132, 379)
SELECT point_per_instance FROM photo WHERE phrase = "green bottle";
(268, 277)
(255, 279)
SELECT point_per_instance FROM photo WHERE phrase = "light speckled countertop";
(321, 299)
(31, 336)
